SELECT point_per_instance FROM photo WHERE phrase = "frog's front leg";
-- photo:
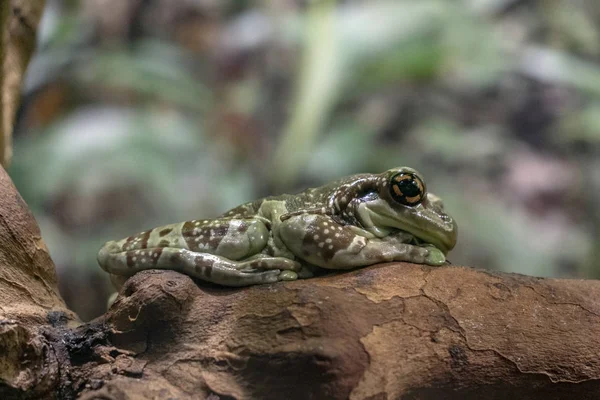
(223, 251)
(321, 241)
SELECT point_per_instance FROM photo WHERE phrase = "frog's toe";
(435, 256)
(288, 276)
(290, 265)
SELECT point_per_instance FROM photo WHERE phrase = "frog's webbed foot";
(434, 256)
(414, 250)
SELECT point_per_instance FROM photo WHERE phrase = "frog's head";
(401, 201)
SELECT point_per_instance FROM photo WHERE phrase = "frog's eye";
(407, 188)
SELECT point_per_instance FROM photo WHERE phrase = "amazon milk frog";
(352, 222)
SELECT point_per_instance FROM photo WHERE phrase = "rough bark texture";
(390, 331)
(29, 299)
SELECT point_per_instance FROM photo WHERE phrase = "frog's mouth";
(425, 225)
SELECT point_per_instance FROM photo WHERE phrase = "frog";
(352, 222)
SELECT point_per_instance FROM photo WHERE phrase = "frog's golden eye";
(407, 188)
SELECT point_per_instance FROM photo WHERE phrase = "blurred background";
(138, 113)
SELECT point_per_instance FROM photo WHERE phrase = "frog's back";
(310, 198)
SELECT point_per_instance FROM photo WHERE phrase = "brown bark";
(390, 331)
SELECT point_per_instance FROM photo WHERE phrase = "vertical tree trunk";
(4, 11)
(18, 27)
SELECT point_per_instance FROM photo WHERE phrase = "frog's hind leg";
(208, 267)
(224, 251)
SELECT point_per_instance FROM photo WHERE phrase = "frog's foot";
(288, 276)
(411, 249)
(434, 256)
(418, 254)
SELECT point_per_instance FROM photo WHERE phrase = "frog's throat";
(379, 218)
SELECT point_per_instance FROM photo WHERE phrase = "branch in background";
(315, 95)
(18, 26)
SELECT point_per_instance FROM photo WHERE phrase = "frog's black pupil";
(409, 187)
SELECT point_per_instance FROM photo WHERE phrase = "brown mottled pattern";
(206, 236)
(146, 258)
(139, 241)
(246, 210)
(197, 235)
(165, 232)
(324, 238)
(342, 190)
(202, 267)
(347, 215)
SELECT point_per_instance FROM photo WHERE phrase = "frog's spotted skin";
(355, 221)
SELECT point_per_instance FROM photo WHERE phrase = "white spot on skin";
(316, 237)
(344, 199)
(326, 231)
(327, 240)
(321, 244)
(143, 260)
(134, 259)
(337, 235)
(330, 246)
